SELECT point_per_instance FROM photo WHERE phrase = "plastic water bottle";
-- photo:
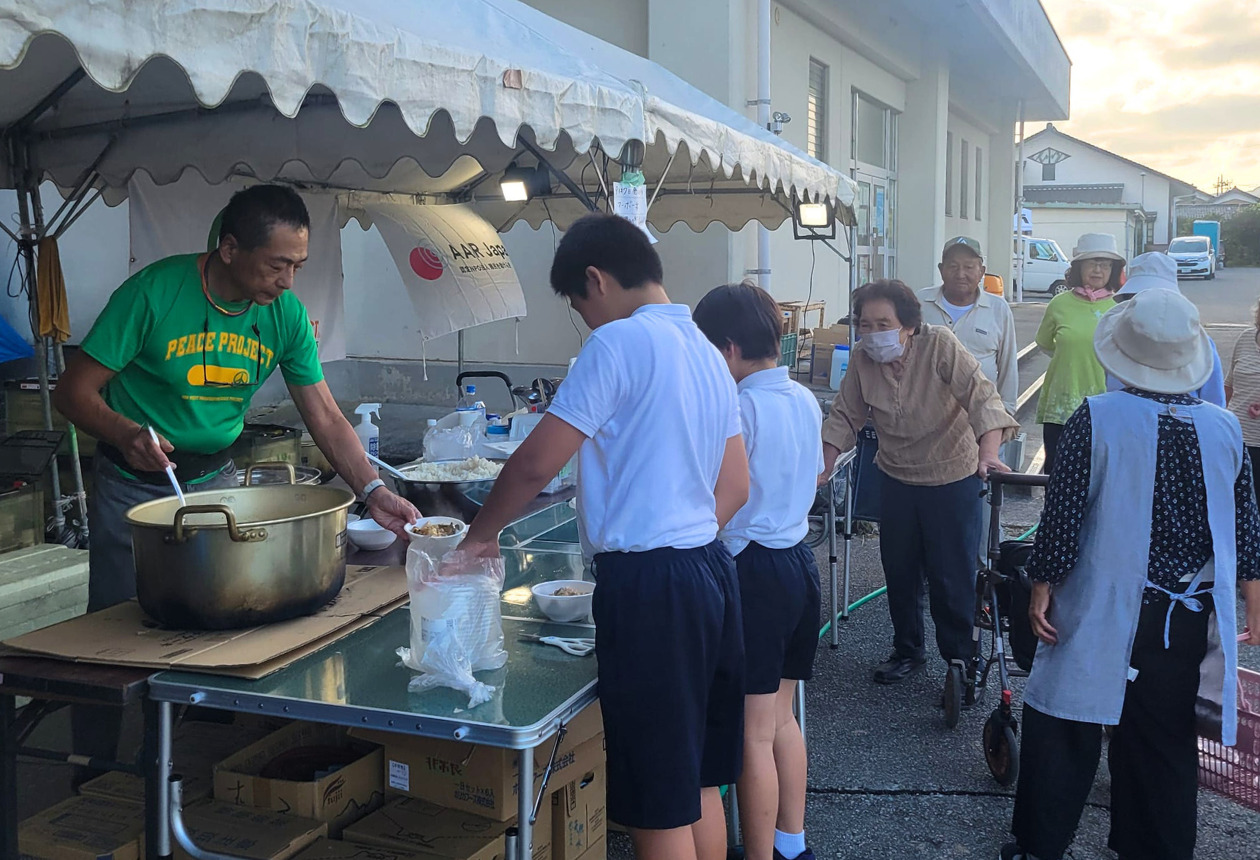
(839, 365)
(469, 408)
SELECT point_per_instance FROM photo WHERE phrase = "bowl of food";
(369, 535)
(437, 535)
(565, 600)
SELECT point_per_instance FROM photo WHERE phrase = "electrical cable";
(555, 243)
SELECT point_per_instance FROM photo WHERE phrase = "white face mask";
(883, 346)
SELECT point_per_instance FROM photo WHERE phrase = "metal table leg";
(157, 762)
(8, 779)
(525, 805)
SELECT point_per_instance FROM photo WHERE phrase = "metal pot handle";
(237, 536)
(249, 471)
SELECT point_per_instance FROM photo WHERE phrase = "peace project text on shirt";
(221, 341)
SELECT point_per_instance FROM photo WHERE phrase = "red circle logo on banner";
(426, 264)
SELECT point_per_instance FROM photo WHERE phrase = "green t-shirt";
(1067, 332)
(163, 340)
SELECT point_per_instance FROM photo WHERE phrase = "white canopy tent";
(355, 94)
(429, 99)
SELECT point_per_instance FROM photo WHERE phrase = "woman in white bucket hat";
(1150, 519)
(1157, 271)
(1067, 335)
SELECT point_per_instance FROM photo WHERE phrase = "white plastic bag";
(449, 443)
(456, 623)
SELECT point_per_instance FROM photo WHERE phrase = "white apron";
(1095, 609)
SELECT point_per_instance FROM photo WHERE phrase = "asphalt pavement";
(888, 781)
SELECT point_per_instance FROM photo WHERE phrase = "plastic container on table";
(839, 365)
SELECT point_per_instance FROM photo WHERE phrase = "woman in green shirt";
(1067, 335)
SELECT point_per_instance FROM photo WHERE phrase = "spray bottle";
(369, 434)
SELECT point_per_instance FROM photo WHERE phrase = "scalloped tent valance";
(427, 98)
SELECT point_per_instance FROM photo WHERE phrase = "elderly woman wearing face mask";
(940, 423)
(1067, 335)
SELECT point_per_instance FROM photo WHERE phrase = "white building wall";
(1067, 225)
(966, 223)
(1089, 166)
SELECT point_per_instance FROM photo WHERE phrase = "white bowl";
(437, 546)
(369, 535)
(353, 518)
(564, 608)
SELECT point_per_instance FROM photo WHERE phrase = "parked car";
(1194, 257)
(1045, 267)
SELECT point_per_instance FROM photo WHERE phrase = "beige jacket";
(928, 418)
(988, 333)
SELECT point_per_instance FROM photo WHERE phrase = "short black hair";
(904, 301)
(609, 243)
(742, 314)
(252, 212)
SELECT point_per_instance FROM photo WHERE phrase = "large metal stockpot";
(239, 558)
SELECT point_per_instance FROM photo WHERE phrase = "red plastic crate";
(1235, 771)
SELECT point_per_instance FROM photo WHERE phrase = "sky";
(1173, 84)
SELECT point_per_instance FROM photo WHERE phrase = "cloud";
(1167, 83)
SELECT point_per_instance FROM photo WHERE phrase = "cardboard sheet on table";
(124, 635)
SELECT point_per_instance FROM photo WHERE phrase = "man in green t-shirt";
(182, 347)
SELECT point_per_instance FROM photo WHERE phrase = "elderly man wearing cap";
(1150, 526)
(1158, 271)
(981, 321)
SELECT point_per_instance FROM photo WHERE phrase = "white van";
(1045, 266)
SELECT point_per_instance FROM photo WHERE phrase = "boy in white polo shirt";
(652, 412)
(778, 577)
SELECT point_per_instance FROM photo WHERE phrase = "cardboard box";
(196, 748)
(825, 342)
(579, 817)
(433, 831)
(338, 798)
(123, 635)
(83, 828)
(256, 834)
(476, 778)
(328, 849)
(598, 851)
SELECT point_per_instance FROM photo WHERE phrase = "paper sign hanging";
(630, 202)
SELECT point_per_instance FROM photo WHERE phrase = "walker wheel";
(953, 695)
(1001, 749)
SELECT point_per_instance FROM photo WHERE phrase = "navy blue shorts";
(779, 591)
(671, 680)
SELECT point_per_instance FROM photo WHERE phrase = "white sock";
(790, 845)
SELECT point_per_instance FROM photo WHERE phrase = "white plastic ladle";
(170, 470)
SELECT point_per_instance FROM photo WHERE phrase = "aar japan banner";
(452, 262)
(178, 219)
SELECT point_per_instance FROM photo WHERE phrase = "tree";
(1240, 237)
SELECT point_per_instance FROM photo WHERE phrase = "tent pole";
(19, 158)
(59, 358)
(459, 364)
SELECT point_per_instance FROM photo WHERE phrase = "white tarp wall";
(176, 219)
